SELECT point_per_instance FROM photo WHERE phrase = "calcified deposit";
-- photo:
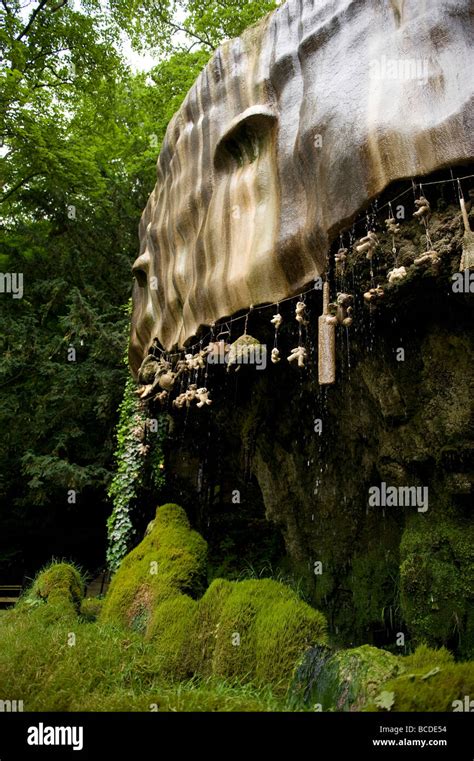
(284, 137)
(280, 168)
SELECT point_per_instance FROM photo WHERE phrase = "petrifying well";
(287, 133)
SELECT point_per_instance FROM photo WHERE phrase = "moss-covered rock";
(171, 629)
(342, 680)
(170, 560)
(91, 608)
(254, 630)
(437, 582)
(438, 688)
(58, 584)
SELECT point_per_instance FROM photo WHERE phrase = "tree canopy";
(80, 133)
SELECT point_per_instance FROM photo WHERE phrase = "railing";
(9, 593)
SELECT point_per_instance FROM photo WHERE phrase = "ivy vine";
(138, 453)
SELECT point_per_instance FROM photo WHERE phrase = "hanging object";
(298, 355)
(368, 244)
(326, 342)
(344, 308)
(392, 226)
(467, 258)
(244, 352)
(300, 313)
(374, 294)
(429, 257)
(202, 395)
(275, 357)
(277, 321)
(397, 275)
(340, 261)
(423, 209)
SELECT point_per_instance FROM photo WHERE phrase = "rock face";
(403, 418)
(288, 132)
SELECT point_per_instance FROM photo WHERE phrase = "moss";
(110, 669)
(171, 630)
(436, 689)
(90, 608)
(437, 582)
(170, 560)
(56, 593)
(260, 628)
(344, 680)
(425, 658)
(374, 589)
(207, 624)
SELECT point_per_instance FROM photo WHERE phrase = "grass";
(107, 669)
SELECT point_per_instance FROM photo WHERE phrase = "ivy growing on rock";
(140, 462)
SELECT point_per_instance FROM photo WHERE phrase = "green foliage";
(124, 488)
(59, 581)
(254, 630)
(425, 657)
(437, 579)
(171, 630)
(171, 559)
(343, 680)
(90, 608)
(434, 690)
(109, 669)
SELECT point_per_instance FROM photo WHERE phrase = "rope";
(230, 321)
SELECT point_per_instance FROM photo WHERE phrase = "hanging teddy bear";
(392, 227)
(343, 306)
(374, 294)
(180, 401)
(298, 355)
(368, 244)
(340, 260)
(300, 313)
(277, 321)
(202, 394)
(275, 356)
(423, 209)
(397, 275)
(429, 257)
(190, 394)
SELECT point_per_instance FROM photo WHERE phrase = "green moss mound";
(91, 608)
(437, 583)
(170, 560)
(108, 669)
(254, 630)
(342, 680)
(171, 630)
(440, 688)
(56, 593)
